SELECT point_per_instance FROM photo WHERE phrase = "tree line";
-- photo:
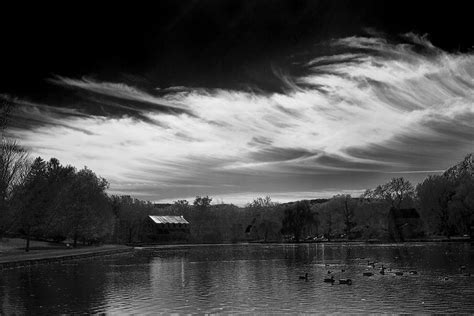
(50, 201)
(47, 200)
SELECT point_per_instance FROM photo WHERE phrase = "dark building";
(165, 229)
(404, 224)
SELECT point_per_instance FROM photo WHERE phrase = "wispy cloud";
(374, 107)
(118, 99)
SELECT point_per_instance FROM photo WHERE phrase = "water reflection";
(46, 289)
(249, 278)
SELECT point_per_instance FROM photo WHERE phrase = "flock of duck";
(382, 270)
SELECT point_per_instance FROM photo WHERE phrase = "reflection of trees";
(57, 288)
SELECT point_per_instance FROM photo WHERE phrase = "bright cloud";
(376, 107)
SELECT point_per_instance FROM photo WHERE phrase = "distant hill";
(464, 167)
(162, 205)
(313, 201)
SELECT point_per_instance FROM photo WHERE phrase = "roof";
(168, 219)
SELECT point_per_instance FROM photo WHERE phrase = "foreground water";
(248, 279)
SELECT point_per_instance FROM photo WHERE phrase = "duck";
(367, 274)
(329, 280)
(398, 273)
(304, 277)
(343, 270)
(345, 281)
(413, 272)
(329, 271)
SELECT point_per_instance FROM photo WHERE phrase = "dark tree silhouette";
(296, 217)
(30, 202)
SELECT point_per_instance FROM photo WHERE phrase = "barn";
(166, 229)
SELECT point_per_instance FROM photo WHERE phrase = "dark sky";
(199, 43)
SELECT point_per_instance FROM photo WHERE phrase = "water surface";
(247, 279)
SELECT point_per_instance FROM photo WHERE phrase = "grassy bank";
(16, 245)
(12, 253)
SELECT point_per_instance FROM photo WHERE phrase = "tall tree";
(202, 202)
(296, 217)
(202, 218)
(130, 213)
(60, 182)
(30, 201)
(14, 165)
(266, 220)
(435, 194)
(346, 205)
(463, 202)
(89, 211)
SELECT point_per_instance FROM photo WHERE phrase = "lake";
(250, 278)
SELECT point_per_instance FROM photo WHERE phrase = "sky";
(241, 99)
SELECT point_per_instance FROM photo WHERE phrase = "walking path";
(11, 260)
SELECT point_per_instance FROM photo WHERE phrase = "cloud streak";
(373, 108)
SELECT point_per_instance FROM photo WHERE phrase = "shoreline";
(361, 242)
(10, 261)
(16, 260)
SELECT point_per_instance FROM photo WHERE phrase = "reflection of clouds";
(375, 106)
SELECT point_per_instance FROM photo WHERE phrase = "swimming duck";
(345, 281)
(398, 273)
(413, 272)
(367, 274)
(329, 280)
(305, 277)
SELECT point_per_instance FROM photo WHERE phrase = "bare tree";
(347, 207)
(265, 218)
(13, 166)
(395, 192)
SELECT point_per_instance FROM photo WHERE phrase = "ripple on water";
(250, 279)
